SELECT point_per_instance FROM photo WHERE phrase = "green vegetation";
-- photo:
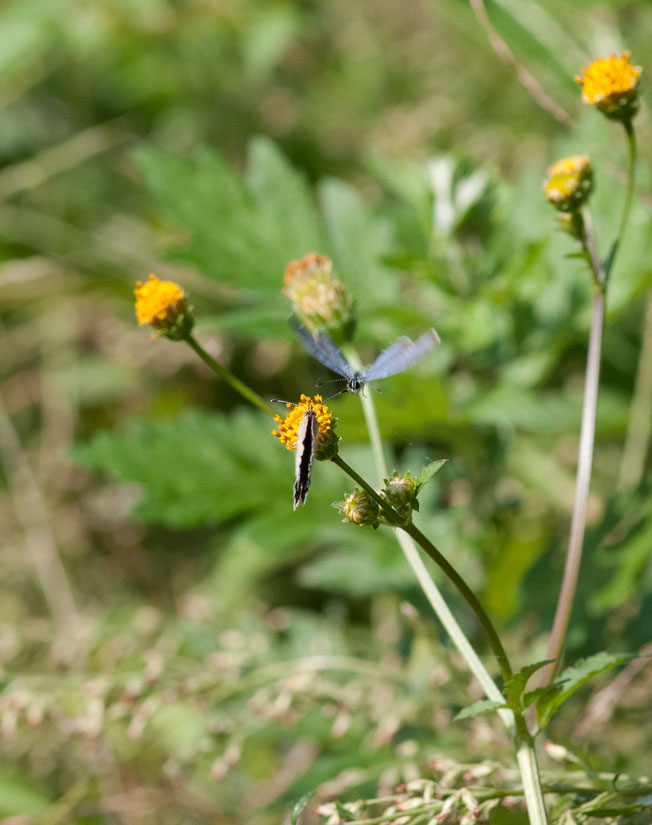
(176, 644)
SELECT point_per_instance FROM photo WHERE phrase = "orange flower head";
(162, 304)
(611, 84)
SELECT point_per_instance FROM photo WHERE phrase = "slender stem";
(451, 626)
(371, 418)
(428, 547)
(637, 441)
(578, 518)
(514, 722)
(629, 197)
(529, 769)
(414, 559)
(600, 273)
(227, 375)
(467, 593)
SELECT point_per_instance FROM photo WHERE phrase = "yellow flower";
(288, 427)
(162, 304)
(569, 183)
(611, 84)
(319, 299)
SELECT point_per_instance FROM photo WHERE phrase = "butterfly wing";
(324, 349)
(304, 455)
(400, 355)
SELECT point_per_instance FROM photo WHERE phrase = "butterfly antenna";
(341, 392)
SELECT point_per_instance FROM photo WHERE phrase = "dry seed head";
(318, 298)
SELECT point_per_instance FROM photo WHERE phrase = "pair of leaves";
(548, 700)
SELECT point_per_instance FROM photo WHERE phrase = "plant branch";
(226, 375)
(428, 547)
(414, 559)
(468, 595)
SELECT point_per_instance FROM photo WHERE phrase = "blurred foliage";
(209, 656)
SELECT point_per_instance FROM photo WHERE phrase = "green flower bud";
(360, 509)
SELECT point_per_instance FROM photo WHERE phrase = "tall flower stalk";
(611, 85)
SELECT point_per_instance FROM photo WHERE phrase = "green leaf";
(429, 471)
(197, 468)
(358, 241)
(239, 231)
(285, 210)
(300, 806)
(515, 686)
(572, 680)
(482, 706)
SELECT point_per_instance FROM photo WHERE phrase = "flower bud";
(162, 304)
(569, 183)
(401, 492)
(611, 84)
(319, 299)
(359, 508)
(400, 489)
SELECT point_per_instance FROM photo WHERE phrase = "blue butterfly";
(399, 356)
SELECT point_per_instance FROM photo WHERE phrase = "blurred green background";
(175, 644)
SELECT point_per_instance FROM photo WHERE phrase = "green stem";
(428, 547)
(514, 722)
(414, 559)
(371, 418)
(226, 375)
(629, 197)
(468, 595)
(525, 752)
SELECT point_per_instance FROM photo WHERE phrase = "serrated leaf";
(239, 230)
(573, 678)
(515, 686)
(482, 706)
(534, 695)
(300, 805)
(429, 471)
(195, 469)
